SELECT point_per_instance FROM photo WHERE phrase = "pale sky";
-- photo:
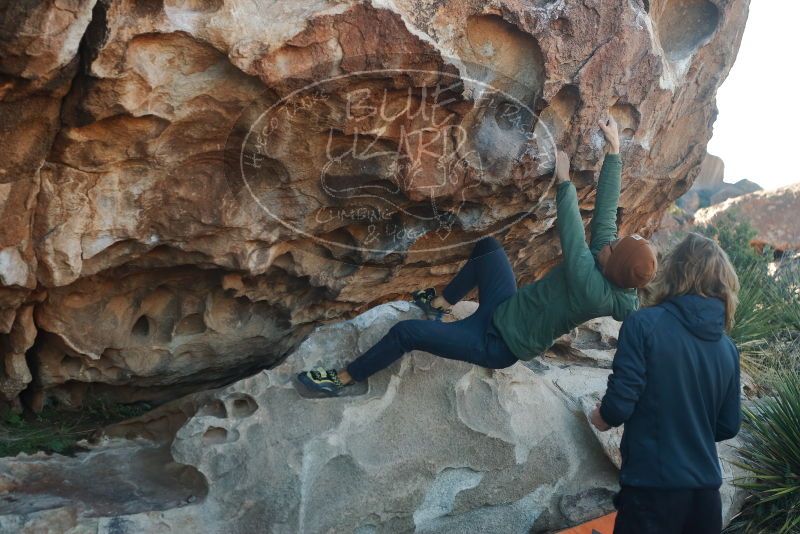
(757, 129)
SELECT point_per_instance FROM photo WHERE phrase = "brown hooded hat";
(632, 263)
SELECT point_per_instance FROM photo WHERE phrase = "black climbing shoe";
(423, 298)
(323, 380)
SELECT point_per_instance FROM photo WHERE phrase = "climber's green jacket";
(576, 290)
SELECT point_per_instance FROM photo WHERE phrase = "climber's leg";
(456, 341)
(489, 269)
(471, 340)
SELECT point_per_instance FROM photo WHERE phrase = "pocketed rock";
(123, 124)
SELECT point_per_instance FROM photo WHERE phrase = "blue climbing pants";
(474, 339)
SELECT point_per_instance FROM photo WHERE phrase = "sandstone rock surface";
(593, 344)
(428, 445)
(188, 188)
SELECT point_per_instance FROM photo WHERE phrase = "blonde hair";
(698, 265)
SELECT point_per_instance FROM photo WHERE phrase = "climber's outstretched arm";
(604, 220)
(577, 258)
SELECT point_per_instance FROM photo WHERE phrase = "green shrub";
(771, 454)
(788, 283)
(758, 317)
(767, 323)
(782, 355)
(769, 308)
(734, 235)
(40, 433)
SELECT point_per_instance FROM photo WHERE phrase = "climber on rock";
(593, 280)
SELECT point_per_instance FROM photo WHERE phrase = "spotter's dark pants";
(473, 339)
(668, 511)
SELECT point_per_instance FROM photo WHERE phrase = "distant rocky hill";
(710, 188)
(774, 214)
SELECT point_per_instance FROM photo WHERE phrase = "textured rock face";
(186, 326)
(772, 213)
(428, 445)
(148, 145)
(144, 477)
(38, 59)
(592, 343)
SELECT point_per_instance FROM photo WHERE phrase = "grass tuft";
(58, 430)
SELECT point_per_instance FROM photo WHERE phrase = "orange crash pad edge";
(601, 525)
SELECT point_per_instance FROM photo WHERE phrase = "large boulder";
(428, 445)
(593, 343)
(710, 187)
(303, 162)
